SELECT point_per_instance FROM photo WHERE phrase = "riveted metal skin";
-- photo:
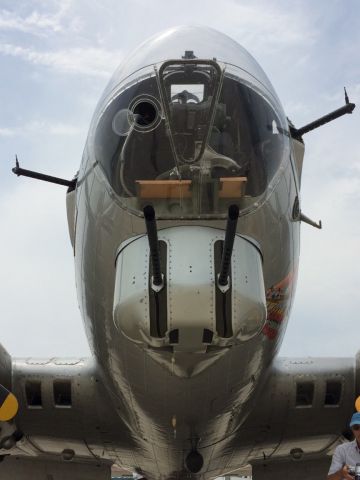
(189, 366)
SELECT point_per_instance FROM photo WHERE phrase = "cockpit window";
(191, 93)
(189, 116)
(190, 138)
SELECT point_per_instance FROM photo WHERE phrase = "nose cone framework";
(192, 131)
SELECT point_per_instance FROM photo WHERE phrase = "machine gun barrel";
(233, 215)
(150, 222)
(348, 108)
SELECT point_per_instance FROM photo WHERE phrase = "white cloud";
(280, 28)
(34, 23)
(262, 27)
(39, 23)
(354, 93)
(7, 132)
(43, 288)
(88, 61)
(43, 127)
(63, 129)
(297, 110)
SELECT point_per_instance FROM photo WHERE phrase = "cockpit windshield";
(190, 137)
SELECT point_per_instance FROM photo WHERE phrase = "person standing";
(346, 454)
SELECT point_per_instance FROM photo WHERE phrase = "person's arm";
(340, 474)
(338, 468)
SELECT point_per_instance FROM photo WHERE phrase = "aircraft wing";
(301, 414)
(70, 427)
(66, 424)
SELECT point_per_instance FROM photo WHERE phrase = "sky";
(55, 60)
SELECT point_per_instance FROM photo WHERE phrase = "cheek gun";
(233, 215)
(150, 222)
(347, 108)
(71, 184)
(168, 298)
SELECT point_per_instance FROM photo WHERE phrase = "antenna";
(346, 97)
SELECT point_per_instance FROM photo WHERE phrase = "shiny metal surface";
(191, 290)
(213, 404)
(143, 402)
(94, 429)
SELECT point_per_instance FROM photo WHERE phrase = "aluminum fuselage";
(184, 370)
(207, 406)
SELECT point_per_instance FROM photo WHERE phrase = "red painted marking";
(270, 332)
(275, 316)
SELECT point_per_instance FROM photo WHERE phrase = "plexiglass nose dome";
(190, 124)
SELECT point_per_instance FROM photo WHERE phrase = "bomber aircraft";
(184, 219)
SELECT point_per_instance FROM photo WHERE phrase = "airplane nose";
(189, 311)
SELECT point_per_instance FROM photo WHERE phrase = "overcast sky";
(55, 60)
